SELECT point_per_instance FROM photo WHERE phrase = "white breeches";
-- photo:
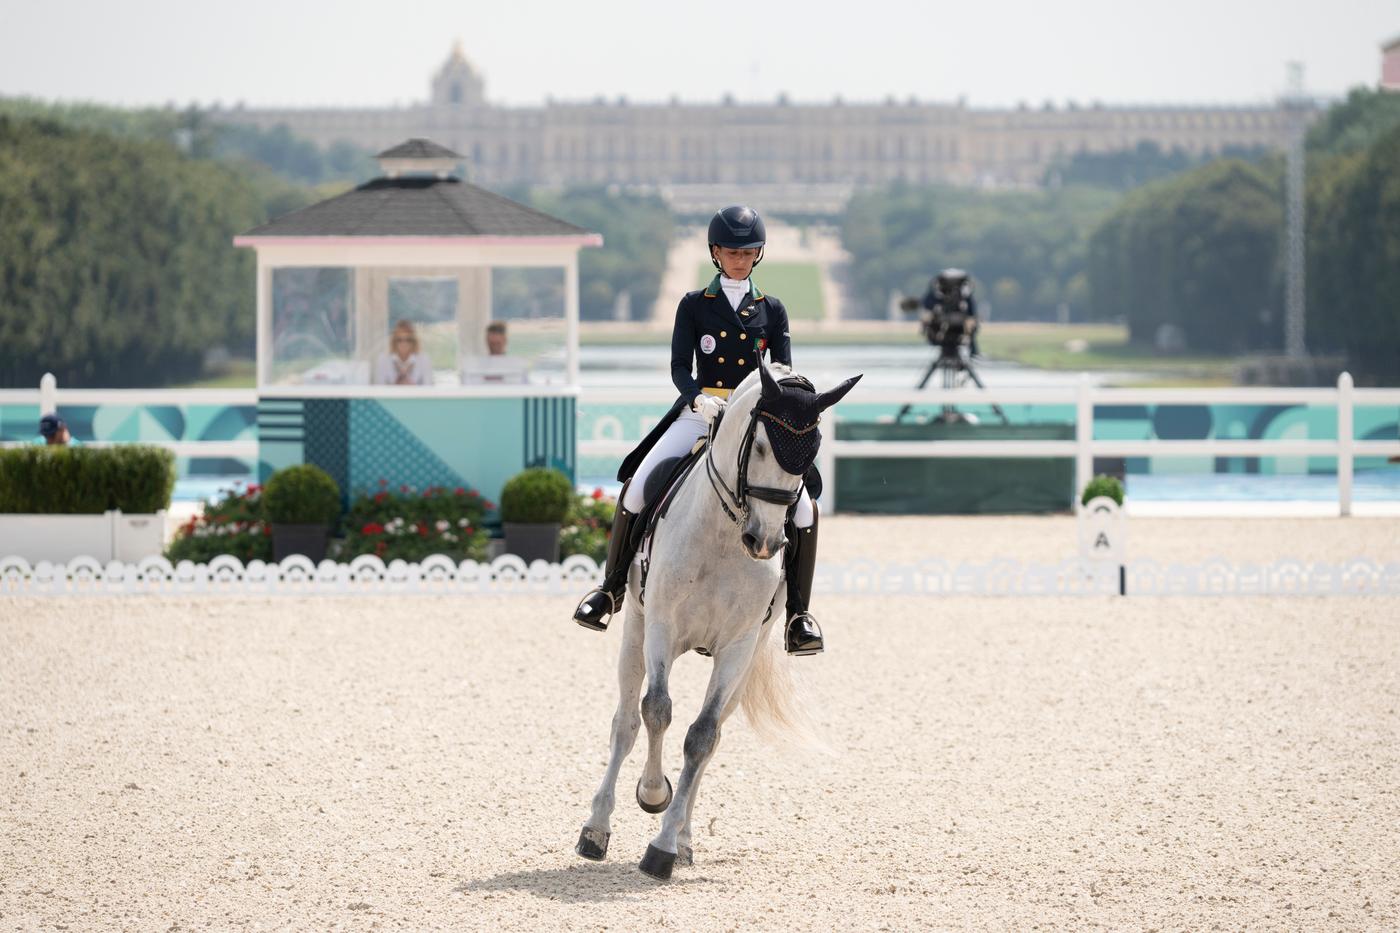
(688, 428)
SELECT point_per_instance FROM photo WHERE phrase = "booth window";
(313, 326)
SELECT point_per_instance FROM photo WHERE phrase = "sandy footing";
(426, 763)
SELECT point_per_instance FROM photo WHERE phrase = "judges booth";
(418, 330)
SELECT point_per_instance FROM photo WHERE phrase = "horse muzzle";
(760, 546)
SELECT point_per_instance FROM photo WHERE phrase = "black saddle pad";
(667, 473)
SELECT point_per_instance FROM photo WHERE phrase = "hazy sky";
(995, 52)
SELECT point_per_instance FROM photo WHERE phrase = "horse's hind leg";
(593, 841)
(701, 740)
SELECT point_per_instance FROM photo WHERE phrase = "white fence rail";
(1084, 448)
(609, 441)
(48, 398)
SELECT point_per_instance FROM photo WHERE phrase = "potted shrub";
(1102, 485)
(300, 503)
(534, 503)
(108, 503)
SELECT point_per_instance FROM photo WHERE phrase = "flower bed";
(587, 526)
(231, 525)
(409, 525)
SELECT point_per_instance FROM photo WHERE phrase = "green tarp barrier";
(963, 486)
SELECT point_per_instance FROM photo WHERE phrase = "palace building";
(813, 152)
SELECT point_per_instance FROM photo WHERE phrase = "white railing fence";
(49, 398)
(610, 440)
(1085, 447)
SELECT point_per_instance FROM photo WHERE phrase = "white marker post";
(1103, 536)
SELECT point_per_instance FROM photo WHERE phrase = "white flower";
(462, 523)
(413, 529)
(443, 524)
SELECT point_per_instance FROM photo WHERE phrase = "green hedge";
(536, 495)
(137, 479)
(301, 495)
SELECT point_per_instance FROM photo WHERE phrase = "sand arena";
(426, 763)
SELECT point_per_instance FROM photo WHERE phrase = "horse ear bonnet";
(791, 420)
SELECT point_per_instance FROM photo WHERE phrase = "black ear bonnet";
(791, 420)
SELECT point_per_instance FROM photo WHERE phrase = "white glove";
(707, 407)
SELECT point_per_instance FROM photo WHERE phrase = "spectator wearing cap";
(53, 431)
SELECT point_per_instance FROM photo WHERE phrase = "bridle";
(740, 496)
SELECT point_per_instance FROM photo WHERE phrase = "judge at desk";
(404, 364)
(496, 368)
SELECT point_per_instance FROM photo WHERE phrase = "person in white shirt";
(404, 364)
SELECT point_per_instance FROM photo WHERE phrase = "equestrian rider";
(719, 333)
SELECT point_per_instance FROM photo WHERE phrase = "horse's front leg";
(731, 665)
(654, 790)
(593, 841)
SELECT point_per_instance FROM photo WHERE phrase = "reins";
(744, 492)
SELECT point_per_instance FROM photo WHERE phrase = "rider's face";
(735, 263)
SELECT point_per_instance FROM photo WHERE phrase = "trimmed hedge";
(301, 495)
(537, 496)
(135, 478)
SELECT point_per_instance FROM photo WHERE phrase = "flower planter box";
(60, 538)
(307, 540)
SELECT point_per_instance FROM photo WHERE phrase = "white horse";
(715, 580)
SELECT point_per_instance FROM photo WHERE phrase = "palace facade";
(814, 148)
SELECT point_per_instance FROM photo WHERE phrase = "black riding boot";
(803, 635)
(595, 608)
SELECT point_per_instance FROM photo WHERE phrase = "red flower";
(473, 494)
(403, 487)
(373, 528)
(380, 548)
(490, 506)
(597, 493)
(423, 530)
(459, 491)
(383, 482)
(380, 496)
(252, 490)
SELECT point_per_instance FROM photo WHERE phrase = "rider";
(720, 331)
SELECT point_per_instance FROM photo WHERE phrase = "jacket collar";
(714, 289)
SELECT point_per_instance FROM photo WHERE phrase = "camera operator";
(951, 310)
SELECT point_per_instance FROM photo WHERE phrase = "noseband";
(740, 496)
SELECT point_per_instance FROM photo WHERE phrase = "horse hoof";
(658, 863)
(593, 844)
(655, 807)
(685, 854)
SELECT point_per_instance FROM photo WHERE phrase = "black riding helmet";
(737, 227)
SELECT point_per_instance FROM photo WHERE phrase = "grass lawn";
(1105, 346)
(240, 374)
(798, 284)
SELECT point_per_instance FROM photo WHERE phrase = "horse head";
(765, 444)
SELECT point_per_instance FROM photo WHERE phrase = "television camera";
(948, 320)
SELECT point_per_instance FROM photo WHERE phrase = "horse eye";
(762, 450)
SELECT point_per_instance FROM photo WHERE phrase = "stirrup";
(808, 647)
(600, 624)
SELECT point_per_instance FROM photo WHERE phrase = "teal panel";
(436, 442)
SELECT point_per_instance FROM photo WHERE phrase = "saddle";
(660, 488)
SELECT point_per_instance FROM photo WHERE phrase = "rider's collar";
(714, 288)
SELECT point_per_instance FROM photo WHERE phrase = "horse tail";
(770, 699)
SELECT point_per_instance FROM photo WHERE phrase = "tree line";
(1025, 249)
(1201, 254)
(117, 266)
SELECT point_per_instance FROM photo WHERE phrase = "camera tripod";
(951, 362)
